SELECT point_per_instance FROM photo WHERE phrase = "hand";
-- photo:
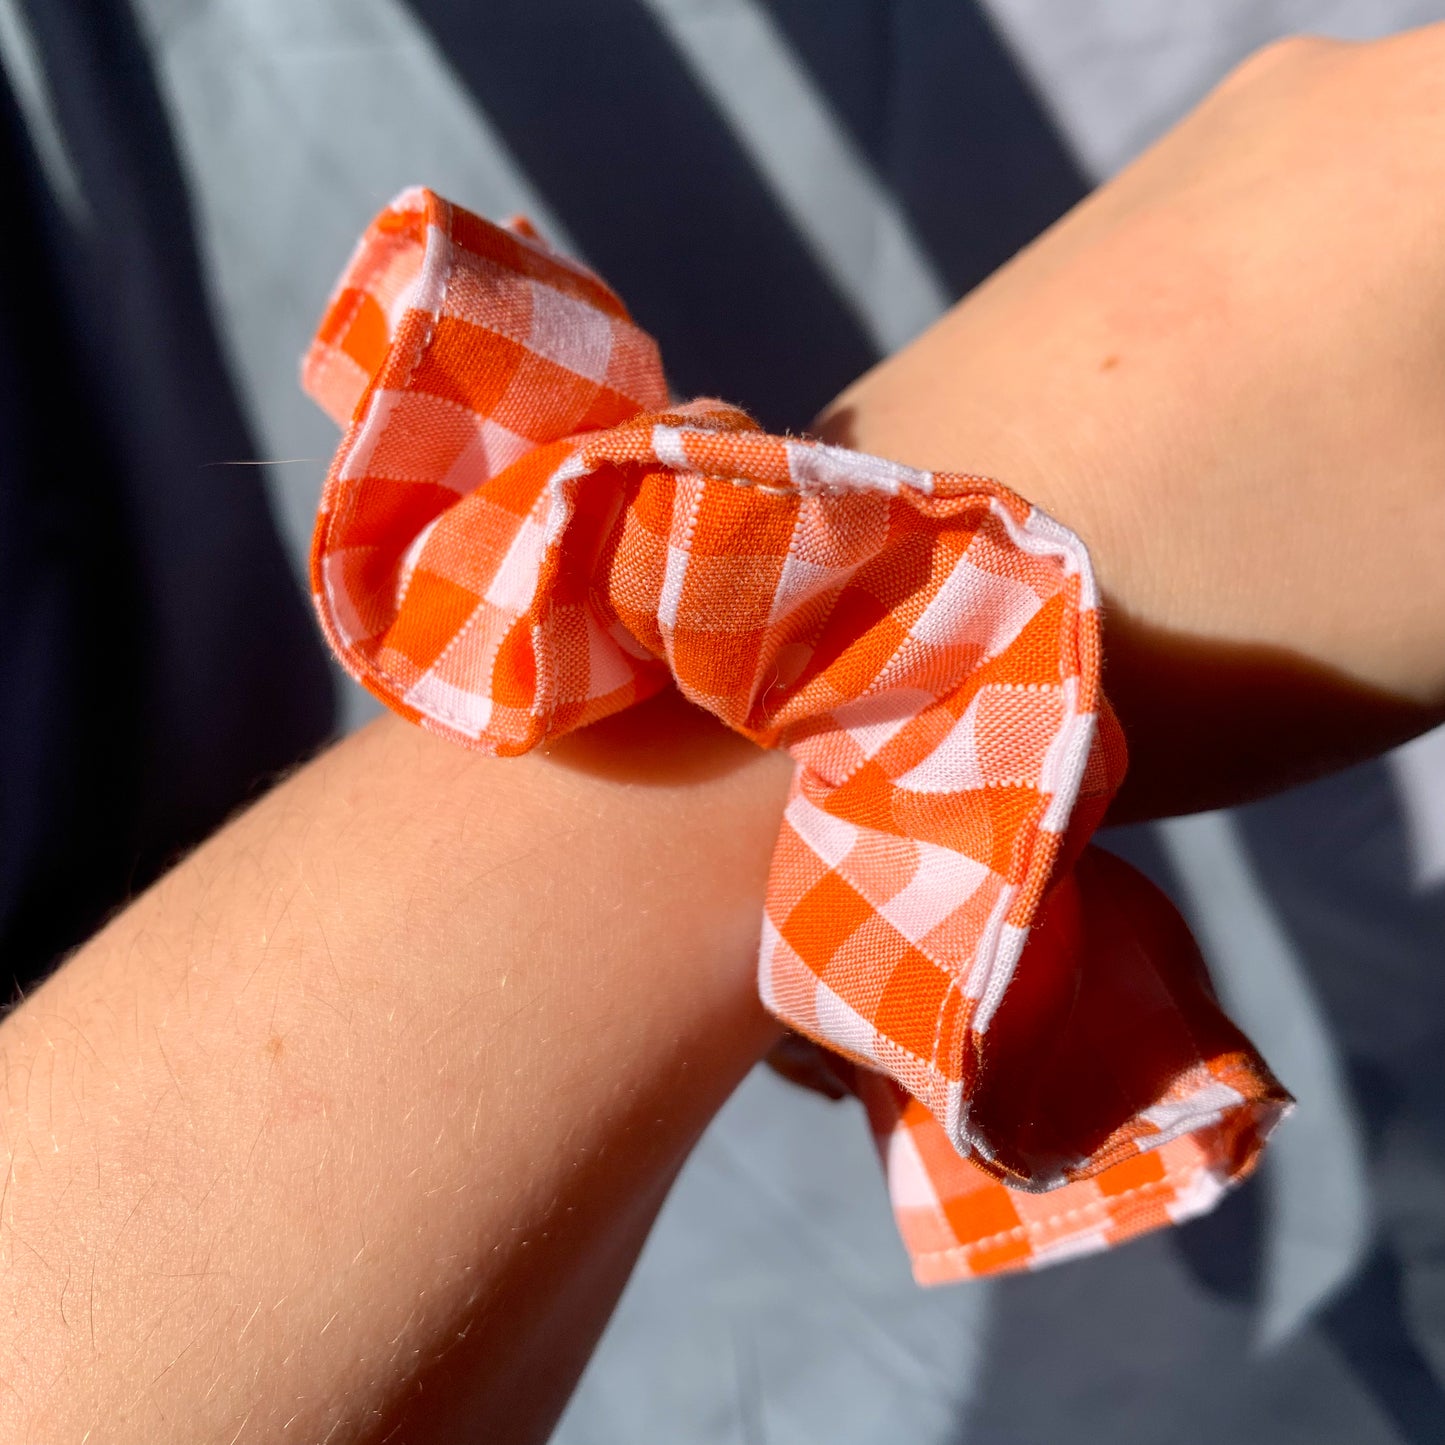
(1226, 371)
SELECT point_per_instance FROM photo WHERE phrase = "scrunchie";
(520, 535)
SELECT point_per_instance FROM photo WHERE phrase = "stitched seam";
(363, 664)
(998, 920)
(758, 670)
(1069, 727)
(690, 528)
(1171, 1181)
(545, 701)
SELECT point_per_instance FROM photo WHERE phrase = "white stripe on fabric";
(1041, 536)
(668, 448)
(436, 269)
(608, 668)
(557, 498)
(767, 948)
(842, 1024)
(372, 429)
(514, 586)
(998, 955)
(494, 449)
(1196, 1195)
(468, 712)
(410, 558)
(573, 333)
(975, 605)
(488, 448)
(800, 582)
(873, 721)
(842, 211)
(1066, 761)
(955, 1123)
(829, 837)
(952, 766)
(943, 881)
(909, 1186)
(344, 616)
(628, 643)
(673, 577)
(1173, 1117)
(1070, 1246)
(815, 467)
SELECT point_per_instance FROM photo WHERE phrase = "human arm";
(366, 1093)
(360, 1115)
(1225, 371)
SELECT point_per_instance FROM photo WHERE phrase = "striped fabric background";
(859, 163)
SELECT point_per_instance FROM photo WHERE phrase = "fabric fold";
(520, 535)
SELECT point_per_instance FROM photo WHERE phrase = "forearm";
(315, 1132)
(1226, 378)
(359, 1117)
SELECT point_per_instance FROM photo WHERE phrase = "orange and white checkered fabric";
(519, 535)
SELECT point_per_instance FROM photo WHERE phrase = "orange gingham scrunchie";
(519, 535)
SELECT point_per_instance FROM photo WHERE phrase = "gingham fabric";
(519, 535)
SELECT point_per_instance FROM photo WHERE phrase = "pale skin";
(350, 1128)
(1224, 370)
(365, 1080)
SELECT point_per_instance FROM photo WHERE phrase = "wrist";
(1232, 655)
(435, 1028)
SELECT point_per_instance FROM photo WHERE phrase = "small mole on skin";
(1108, 363)
(276, 1046)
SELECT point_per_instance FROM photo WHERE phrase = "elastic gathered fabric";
(520, 535)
